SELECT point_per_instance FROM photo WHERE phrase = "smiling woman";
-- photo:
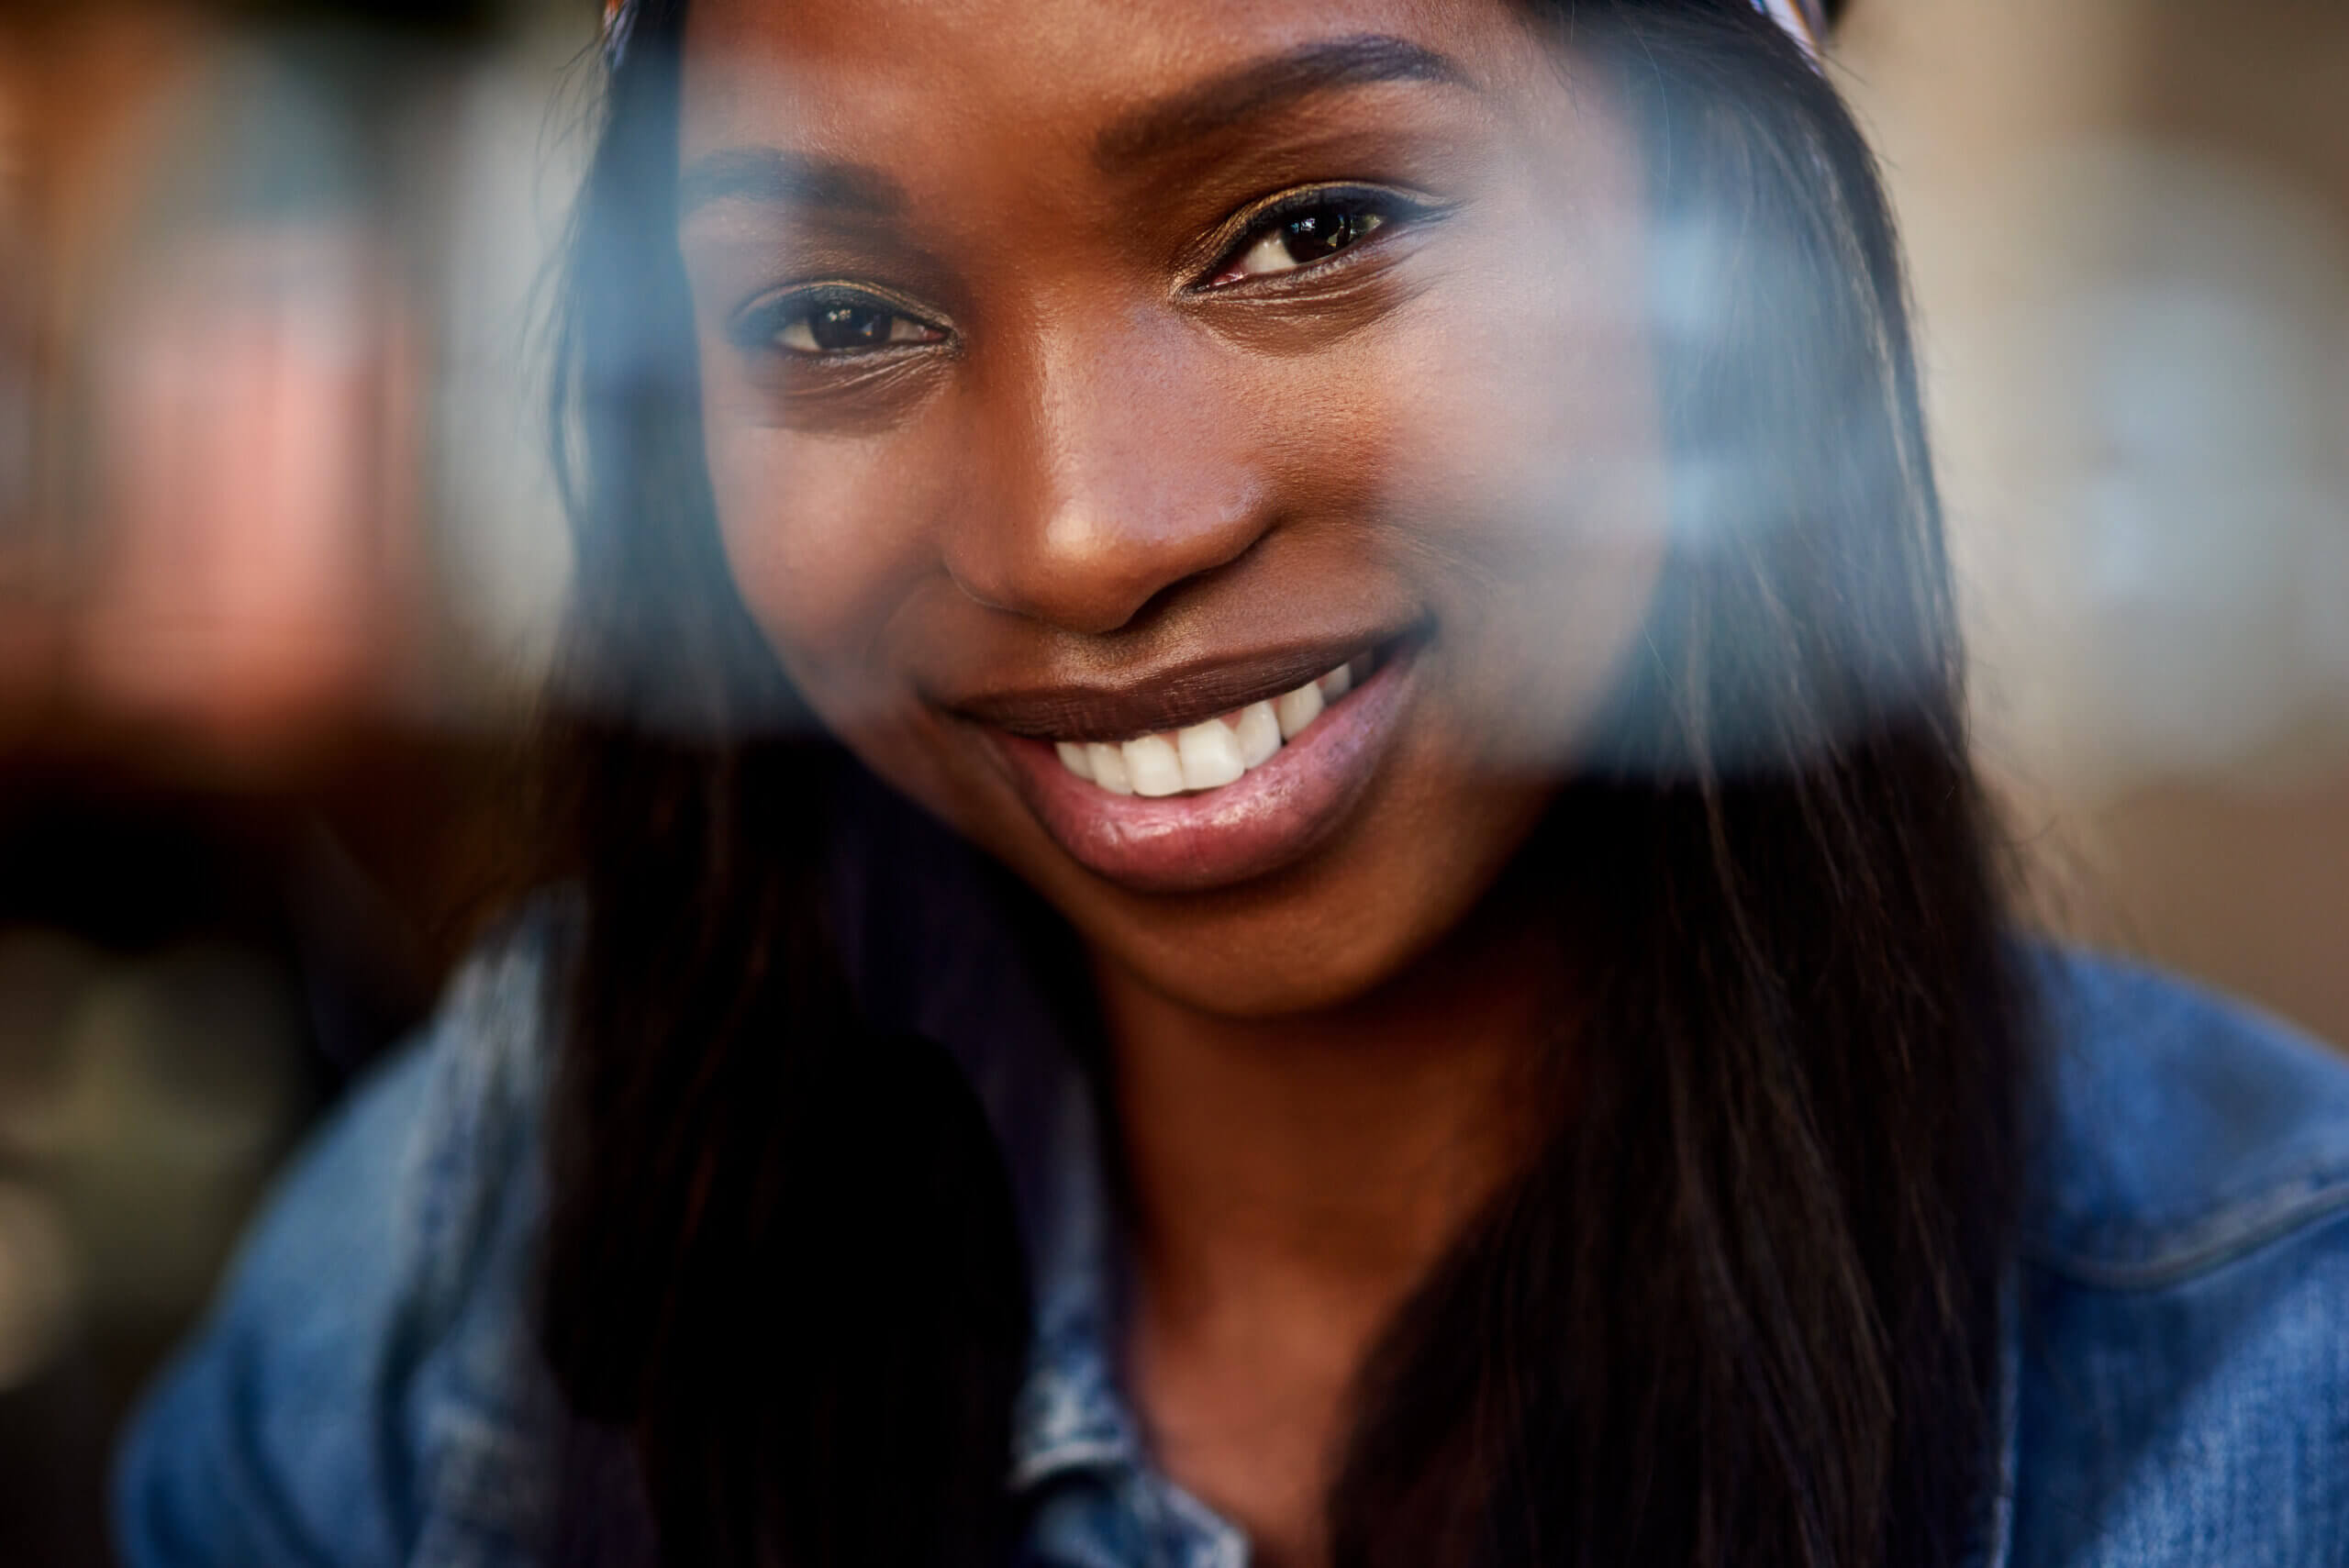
(1107, 400)
(1269, 857)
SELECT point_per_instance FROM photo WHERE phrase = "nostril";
(1158, 603)
(1079, 572)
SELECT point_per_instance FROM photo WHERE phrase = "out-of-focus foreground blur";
(279, 562)
(280, 558)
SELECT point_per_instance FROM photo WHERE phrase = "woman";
(1465, 1015)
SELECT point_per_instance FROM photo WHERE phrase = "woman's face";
(1109, 373)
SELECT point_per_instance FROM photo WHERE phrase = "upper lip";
(1146, 699)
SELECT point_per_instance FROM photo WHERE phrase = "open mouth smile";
(1236, 771)
(1215, 753)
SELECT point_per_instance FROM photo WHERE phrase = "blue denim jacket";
(2176, 1352)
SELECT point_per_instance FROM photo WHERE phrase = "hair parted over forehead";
(1806, 19)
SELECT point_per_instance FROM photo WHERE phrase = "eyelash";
(1390, 209)
(762, 327)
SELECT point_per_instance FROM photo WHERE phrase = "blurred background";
(279, 566)
(281, 561)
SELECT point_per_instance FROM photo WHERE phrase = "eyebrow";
(773, 177)
(1271, 82)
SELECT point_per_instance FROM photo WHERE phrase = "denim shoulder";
(2184, 1326)
(364, 1391)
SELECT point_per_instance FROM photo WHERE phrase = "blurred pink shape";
(257, 455)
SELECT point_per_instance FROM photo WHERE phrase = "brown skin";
(1081, 465)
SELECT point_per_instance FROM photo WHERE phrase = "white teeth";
(1153, 766)
(1298, 708)
(1209, 755)
(1260, 734)
(1109, 763)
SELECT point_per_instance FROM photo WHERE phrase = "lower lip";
(1268, 818)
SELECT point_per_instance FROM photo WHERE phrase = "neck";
(1346, 1146)
(1291, 1181)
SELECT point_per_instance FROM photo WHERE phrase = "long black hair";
(1744, 1307)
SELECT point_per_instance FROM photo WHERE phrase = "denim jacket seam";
(1998, 1517)
(2286, 1208)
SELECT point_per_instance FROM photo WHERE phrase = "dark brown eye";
(1324, 232)
(1304, 235)
(844, 325)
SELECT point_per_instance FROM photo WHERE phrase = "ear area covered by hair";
(1804, 19)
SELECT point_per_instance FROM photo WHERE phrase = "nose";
(1113, 469)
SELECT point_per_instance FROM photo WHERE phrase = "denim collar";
(1070, 1416)
(1073, 1428)
(940, 942)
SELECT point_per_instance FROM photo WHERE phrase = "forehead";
(878, 80)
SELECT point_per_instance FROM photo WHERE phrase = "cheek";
(1526, 482)
(823, 539)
